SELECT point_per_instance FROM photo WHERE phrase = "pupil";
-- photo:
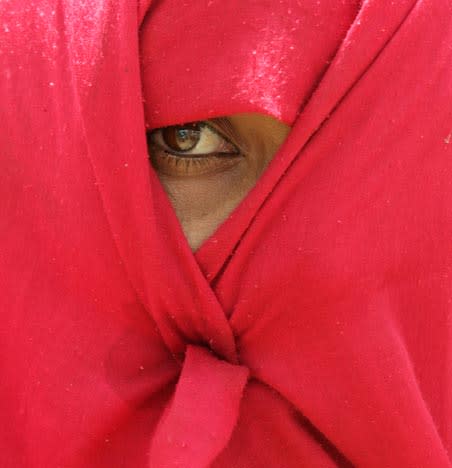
(182, 137)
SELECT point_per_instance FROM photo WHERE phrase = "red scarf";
(314, 328)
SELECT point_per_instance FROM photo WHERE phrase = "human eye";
(193, 148)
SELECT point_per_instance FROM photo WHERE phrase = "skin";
(205, 188)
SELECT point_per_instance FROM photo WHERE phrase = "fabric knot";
(202, 414)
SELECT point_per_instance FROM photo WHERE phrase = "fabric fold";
(329, 287)
(199, 420)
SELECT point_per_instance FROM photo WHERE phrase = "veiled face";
(260, 62)
(208, 167)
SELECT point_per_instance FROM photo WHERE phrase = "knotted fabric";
(314, 327)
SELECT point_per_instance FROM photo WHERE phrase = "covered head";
(212, 58)
(313, 327)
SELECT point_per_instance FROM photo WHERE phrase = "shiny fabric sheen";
(313, 329)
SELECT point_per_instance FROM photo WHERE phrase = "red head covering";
(314, 327)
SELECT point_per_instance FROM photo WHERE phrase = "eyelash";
(183, 163)
(178, 160)
(201, 127)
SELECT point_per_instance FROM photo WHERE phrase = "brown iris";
(181, 138)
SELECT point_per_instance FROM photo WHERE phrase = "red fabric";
(314, 327)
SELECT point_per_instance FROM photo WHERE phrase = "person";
(225, 234)
(208, 167)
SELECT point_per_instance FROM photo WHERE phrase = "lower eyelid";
(175, 165)
(186, 155)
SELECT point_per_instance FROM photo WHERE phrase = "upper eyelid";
(226, 130)
(222, 134)
(203, 123)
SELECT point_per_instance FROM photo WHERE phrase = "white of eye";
(209, 142)
(199, 138)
